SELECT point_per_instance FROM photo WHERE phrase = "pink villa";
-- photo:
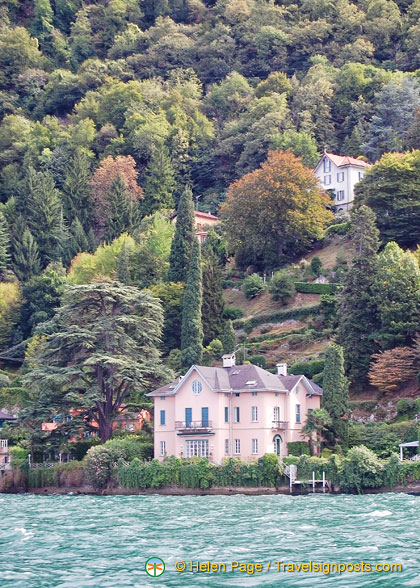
(232, 411)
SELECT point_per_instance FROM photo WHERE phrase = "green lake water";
(104, 541)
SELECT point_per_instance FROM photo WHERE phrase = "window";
(162, 397)
(254, 414)
(254, 393)
(197, 448)
(226, 446)
(226, 414)
(162, 417)
(237, 446)
(162, 448)
(298, 413)
(237, 394)
(196, 387)
(327, 165)
(205, 416)
(361, 174)
(327, 180)
(340, 195)
(129, 427)
(236, 415)
(276, 413)
(340, 177)
(255, 447)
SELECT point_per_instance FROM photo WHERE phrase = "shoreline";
(411, 488)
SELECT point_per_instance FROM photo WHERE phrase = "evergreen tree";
(78, 240)
(191, 328)
(124, 266)
(228, 337)
(159, 183)
(76, 190)
(335, 387)
(42, 19)
(92, 241)
(213, 305)
(26, 260)
(123, 212)
(183, 239)
(44, 215)
(357, 307)
(397, 291)
(4, 244)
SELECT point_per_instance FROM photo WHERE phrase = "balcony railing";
(193, 425)
(280, 425)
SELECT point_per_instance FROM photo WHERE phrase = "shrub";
(233, 313)
(102, 459)
(361, 469)
(315, 288)
(258, 360)
(298, 448)
(316, 266)
(307, 368)
(338, 229)
(253, 285)
(405, 406)
(278, 316)
(282, 287)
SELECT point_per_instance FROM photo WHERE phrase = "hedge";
(298, 448)
(315, 288)
(278, 316)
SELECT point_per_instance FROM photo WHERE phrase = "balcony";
(4, 446)
(279, 425)
(193, 426)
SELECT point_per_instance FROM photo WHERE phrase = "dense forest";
(115, 114)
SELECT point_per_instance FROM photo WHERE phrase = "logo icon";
(154, 567)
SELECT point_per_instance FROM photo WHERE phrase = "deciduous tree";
(393, 367)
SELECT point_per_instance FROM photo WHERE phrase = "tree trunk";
(105, 428)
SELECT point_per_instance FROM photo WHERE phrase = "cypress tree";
(26, 261)
(183, 239)
(213, 305)
(357, 306)
(159, 183)
(191, 328)
(228, 337)
(124, 266)
(335, 387)
(92, 241)
(4, 244)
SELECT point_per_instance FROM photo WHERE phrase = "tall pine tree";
(191, 328)
(26, 261)
(44, 215)
(78, 241)
(4, 244)
(123, 212)
(159, 183)
(76, 190)
(357, 311)
(123, 269)
(335, 387)
(183, 239)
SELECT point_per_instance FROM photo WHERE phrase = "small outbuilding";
(409, 444)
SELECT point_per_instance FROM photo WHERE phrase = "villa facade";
(231, 411)
(204, 221)
(340, 174)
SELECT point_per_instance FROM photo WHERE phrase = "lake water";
(104, 541)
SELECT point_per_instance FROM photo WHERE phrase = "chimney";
(281, 369)
(229, 360)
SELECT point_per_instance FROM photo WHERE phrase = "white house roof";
(409, 444)
(241, 378)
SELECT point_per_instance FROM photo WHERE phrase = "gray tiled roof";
(240, 378)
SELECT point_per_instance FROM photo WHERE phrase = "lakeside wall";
(358, 472)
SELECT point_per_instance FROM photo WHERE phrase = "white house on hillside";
(340, 173)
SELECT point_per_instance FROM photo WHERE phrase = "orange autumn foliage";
(393, 367)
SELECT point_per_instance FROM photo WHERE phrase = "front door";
(277, 445)
(205, 416)
(188, 417)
